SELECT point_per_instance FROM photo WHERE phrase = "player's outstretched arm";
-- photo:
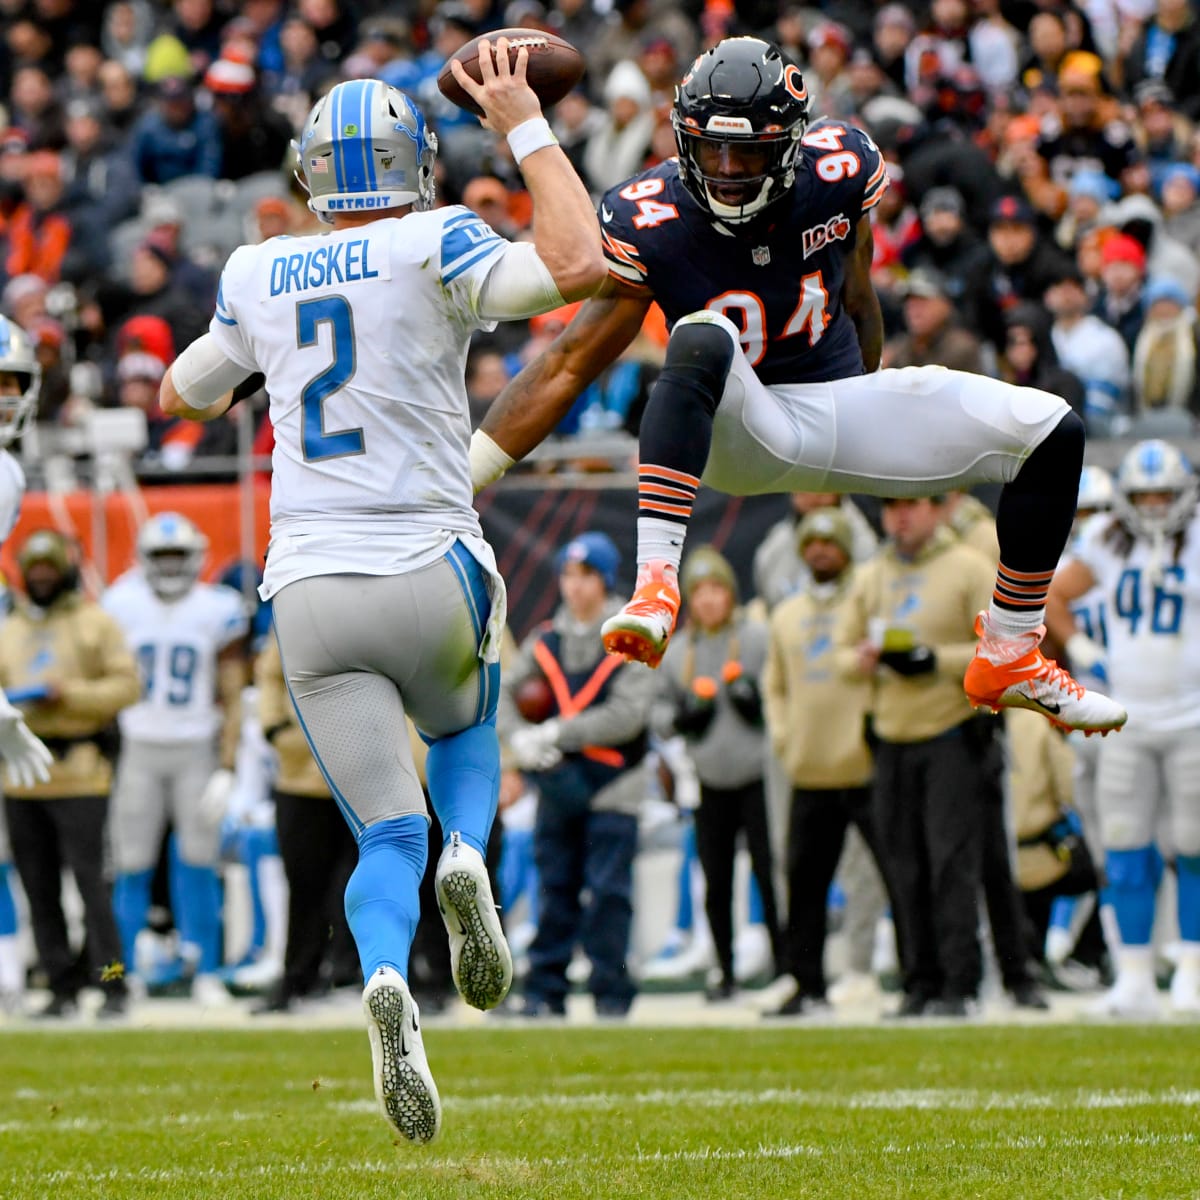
(1071, 580)
(533, 403)
(859, 298)
(566, 233)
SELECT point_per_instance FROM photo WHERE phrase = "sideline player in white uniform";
(27, 758)
(386, 597)
(188, 638)
(1146, 559)
(1097, 494)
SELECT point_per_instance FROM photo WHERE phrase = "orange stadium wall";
(215, 507)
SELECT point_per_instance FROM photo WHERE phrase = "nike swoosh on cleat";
(605, 213)
(1054, 708)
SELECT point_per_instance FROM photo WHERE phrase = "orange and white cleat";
(641, 630)
(1013, 673)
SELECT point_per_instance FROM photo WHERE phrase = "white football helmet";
(1097, 492)
(17, 358)
(170, 551)
(366, 146)
(1155, 466)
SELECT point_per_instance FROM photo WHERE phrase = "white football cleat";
(1185, 990)
(480, 959)
(1131, 997)
(1013, 673)
(403, 1085)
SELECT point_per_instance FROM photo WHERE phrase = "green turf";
(1012, 1112)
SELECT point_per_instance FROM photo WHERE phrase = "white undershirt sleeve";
(202, 374)
(519, 285)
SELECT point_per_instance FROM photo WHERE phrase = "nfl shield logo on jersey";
(760, 256)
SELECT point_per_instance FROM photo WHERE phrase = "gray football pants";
(157, 782)
(361, 651)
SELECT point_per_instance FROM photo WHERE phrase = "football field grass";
(564, 1113)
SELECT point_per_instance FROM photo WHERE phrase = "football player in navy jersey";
(756, 242)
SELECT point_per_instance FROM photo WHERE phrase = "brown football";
(534, 699)
(555, 66)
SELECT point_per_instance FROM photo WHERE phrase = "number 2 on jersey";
(318, 444)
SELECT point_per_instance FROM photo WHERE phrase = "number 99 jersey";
(1152, 620)
(780, 280)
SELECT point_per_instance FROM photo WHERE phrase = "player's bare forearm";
(566, 232)
(533, 403)
(859, 298)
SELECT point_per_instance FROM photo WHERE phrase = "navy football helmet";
(741, 93)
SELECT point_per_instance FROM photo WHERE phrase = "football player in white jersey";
(189, 641)
(1097, 494)
(1146, 559)
(387, 600)
(27, 757)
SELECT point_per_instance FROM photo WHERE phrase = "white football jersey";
(1091, 619)
(362, 335)
(12, 491)
(176, 645)
(1152, 622)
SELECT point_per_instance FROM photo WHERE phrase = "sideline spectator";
(585, 762)
(818, 724)
(64, 660)
(907, 627)
(710, 692)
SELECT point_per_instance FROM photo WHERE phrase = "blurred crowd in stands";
(1043, 222)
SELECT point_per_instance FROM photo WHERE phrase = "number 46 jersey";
(1152, 618)
(778, 280)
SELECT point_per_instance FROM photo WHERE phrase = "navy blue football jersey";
(780, 285)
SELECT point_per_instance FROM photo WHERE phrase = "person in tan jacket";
(315, 842)
(65, 662)
(817, 726)
(907, 627)
(1052, 856)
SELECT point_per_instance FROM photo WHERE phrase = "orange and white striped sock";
(665, 500)
(1018, 601)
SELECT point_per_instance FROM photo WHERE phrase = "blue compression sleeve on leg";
(464, 783)
(1187, 867)
(131, 903)
(1132, 884)
(199, 892)
(383, 896)
(685, 917)
(8, 906)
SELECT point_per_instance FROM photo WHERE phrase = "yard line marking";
(423, 1164)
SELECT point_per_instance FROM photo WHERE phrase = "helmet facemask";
(715, 165)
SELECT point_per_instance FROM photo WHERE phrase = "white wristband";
(531, 135)
(488, 460)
